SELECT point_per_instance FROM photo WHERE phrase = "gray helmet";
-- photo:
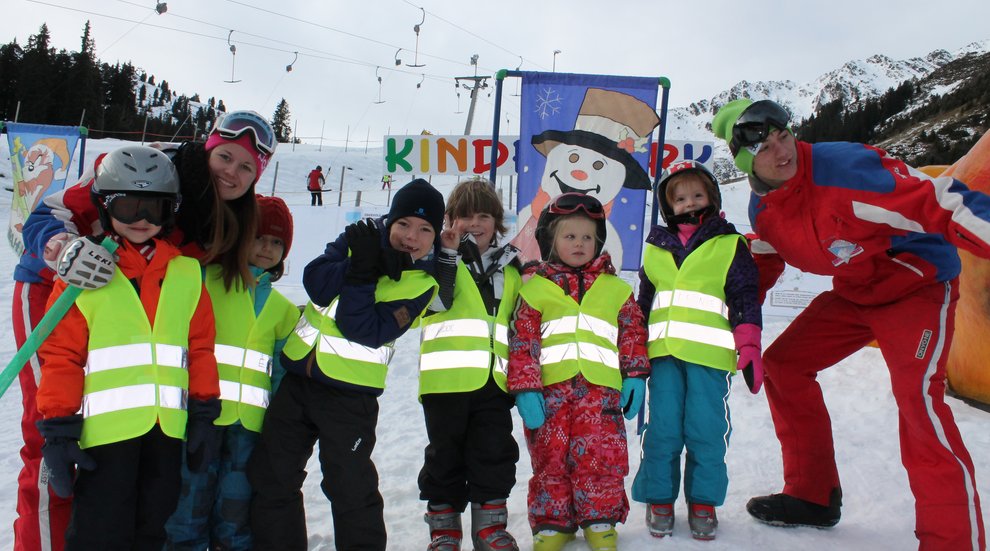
(136, 170)
(139, 170)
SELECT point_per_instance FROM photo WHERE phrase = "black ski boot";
(785, 510)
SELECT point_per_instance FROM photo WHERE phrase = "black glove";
(393, 262)
(61, 451)
(365, 241)
(203, 438)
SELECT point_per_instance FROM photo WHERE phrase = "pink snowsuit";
(579, 454)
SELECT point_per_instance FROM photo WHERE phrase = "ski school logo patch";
(843, 251)
(926, 337)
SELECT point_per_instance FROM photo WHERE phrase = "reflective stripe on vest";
(688, 317)
(344, 360)
(459, 347)
(137, 375)
(243, 348)
(579, 338)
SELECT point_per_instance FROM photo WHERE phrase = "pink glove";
(748, 344)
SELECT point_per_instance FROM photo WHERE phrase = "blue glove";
(633, 391)
(61, 451)
(530, 406)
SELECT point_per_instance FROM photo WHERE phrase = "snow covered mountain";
(853, 83)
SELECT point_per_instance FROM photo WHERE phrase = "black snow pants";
(343, 421)
(123, 504)
(471, 456)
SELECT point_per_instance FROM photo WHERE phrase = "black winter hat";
(417, 198)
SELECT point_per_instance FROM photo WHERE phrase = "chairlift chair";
(416, 28)
(233, 57)
(380, 100)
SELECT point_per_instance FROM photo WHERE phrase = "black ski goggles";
(129, 209)
(755, 124)
(569, 203)
(236, 123)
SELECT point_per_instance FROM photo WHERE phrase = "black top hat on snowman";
(613, 124)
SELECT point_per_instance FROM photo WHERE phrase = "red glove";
(748, 344)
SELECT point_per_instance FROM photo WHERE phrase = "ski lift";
(518, 79)
(233, 57)
(380, 100)
(415, 62)
(397, 60)
(422, 77)
(161, 7)
(288, 68)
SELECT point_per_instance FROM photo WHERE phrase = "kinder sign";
(460, 155)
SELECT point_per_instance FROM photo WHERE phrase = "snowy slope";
(878, 511)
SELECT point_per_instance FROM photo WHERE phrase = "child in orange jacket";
(129, 371)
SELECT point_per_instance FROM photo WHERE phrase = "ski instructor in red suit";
(887, 234)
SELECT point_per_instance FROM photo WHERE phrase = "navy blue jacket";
(358, 317)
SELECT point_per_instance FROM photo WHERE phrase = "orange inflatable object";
(969, 357)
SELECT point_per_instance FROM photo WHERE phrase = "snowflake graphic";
(548, 103)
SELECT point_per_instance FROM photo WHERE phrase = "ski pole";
(44, 328)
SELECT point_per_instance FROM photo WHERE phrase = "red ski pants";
(913, 335)
(42, 516)
(579, 458)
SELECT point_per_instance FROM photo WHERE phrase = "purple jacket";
(741, 283)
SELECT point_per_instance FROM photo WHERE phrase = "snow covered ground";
(878, 512)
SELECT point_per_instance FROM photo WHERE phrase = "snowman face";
(572, 168)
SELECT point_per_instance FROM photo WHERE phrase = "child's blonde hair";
(554, 227)
(476, 195)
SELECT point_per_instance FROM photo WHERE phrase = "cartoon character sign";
(40, 165)
(602, 153)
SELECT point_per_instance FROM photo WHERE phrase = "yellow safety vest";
(244, 347)
(344, 360)
(458, 346)
(579, 337)
(688, 317)
(137, 375)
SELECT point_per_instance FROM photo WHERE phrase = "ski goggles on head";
(131, 208)
(755, 123)
(569, 203)
(236, 123)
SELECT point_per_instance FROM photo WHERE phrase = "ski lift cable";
(127, 32)
(321, 55)
(456, 26)
(354, 35)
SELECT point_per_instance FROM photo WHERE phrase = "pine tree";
(82, 92)
(280, 122)
(10, 70)
(34, 87)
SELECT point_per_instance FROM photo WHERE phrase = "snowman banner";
(589, 134)
(39, 160)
